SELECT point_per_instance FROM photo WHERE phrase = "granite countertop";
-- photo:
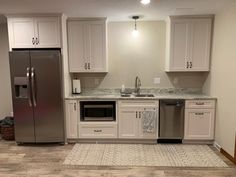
(114, 94)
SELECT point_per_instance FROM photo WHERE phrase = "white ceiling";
(115, 10)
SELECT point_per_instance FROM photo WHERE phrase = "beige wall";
(144, 56)
(5, 88)
(221, 82)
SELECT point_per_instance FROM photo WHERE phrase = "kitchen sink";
(144, 95)
(125, 95)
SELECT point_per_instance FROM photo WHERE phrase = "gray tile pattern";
(143, 155)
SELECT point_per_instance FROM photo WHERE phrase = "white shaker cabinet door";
(71, 119)
(47, 32)
(199, 124)
(128, 123)
(179, 46)
(200, 46)
(77, 42)
(97, 46)
(21, 32)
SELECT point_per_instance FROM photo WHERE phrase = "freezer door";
(21, 96)
(47, 95)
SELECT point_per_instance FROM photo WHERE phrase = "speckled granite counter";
(114, 94)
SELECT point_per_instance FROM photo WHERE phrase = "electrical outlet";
(157, 80)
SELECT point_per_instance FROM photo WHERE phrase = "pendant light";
(135, 32)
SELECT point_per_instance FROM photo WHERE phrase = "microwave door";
(98, 113)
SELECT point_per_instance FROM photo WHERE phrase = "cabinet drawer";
(98, 131)
(195, 104)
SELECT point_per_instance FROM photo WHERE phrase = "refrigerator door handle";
(33, 86)
(28, 86)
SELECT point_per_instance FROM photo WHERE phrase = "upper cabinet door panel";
(21, 32)
(200, 50)
(188, 43)
(97, 54)
(179, 46)
(87, 45)
(47, 31)
(77, 46)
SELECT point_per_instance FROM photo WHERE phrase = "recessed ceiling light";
(145, 2)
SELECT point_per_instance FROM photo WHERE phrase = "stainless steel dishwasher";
(171, 121)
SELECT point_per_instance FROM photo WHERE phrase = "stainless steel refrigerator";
(37, 96)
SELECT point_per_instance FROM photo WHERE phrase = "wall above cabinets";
(188, 43)
(87, 44)
(27, 31)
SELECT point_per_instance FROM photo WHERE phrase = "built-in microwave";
(98, 110)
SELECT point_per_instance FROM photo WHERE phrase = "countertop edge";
(199, 97)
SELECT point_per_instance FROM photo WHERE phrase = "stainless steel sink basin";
(144, 95)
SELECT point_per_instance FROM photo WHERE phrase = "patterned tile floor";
(47, 161)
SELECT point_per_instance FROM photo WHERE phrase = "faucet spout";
(137, 85)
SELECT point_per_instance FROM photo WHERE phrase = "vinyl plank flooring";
(46, 161)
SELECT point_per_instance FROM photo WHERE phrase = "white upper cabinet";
(21, 32)
(34, 32)
(188, 43)
(47, 32)
(87, 45)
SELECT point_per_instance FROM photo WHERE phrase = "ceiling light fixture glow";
(135, 32)
(145, 2)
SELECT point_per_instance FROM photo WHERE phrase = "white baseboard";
(216, 145)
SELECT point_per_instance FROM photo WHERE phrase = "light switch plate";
(157, 80)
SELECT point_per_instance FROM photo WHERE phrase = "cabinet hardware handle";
(97, 131)
(33, 90)
(187, 64)
(75, 106)
(140, 115)
(199, 113)
(136, 114)
(199, 103)
(33, 41)
(191, 64)
(85, 66)
(28, 87)
(37, 41)
(88, 65)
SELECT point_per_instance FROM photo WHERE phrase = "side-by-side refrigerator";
(37, 96)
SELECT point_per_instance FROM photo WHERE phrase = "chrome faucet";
(137, 85)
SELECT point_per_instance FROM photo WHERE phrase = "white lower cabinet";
(199, 121)
(138, 119)
(98, 130)
(71, 119)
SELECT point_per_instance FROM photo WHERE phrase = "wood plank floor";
(46, 161)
